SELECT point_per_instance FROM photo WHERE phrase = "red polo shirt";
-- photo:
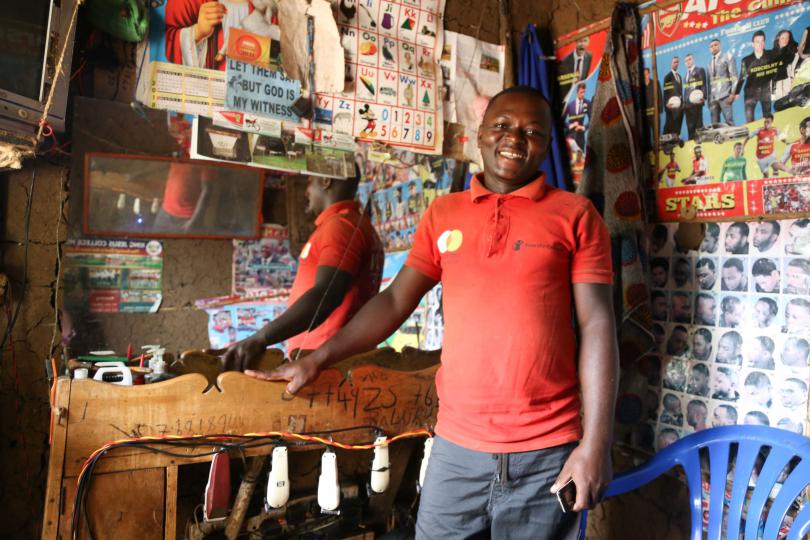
(508, 379)
(345, 239)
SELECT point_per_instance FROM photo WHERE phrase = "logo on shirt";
(305, 251)
(450, 241)
(520, 244)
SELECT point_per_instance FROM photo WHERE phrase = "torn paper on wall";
(473, 73)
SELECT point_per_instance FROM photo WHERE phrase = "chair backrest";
(784, 449)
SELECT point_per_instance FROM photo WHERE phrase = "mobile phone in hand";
(567, 496)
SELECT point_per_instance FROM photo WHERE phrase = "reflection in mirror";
(129, 195)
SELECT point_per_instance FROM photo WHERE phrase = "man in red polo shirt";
(339, 270)
(515, 257)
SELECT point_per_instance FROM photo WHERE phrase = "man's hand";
(731, 98)
(591, 471)
(209, 17)
(300, 373)
(239, 355)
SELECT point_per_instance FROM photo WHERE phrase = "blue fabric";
(533, 71)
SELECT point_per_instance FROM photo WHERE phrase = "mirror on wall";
(133, 195)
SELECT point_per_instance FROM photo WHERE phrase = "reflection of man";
(575, 66)
(695, 91)
(339, 269)
(678, 342)
(705, 309)
(797, 316)
(673, 99)
(797, 277)
(798, 240)
(666, 437)
(725, 384)
(671, 411)
(731, 312)
(577, 114)
(795, 352)
(765, 311)
(702, 345)
(681, 307)
(698, 381)
(491, 409)
(760, 354)
(659, 305)
(797, 153)
(755, 74)
(766, 276)
(710, 239)
(734, 166)
(722, 78)
(185, 199)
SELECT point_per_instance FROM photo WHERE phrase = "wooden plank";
(393, 401)
(56, 460)
(170, 512)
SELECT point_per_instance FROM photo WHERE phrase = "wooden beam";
(170, 513)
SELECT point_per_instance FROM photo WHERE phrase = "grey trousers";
(469, 494)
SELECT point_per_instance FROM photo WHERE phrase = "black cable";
(26, 232)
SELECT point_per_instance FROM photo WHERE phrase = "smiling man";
(521, 415)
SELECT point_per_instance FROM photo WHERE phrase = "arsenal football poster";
(732, 81)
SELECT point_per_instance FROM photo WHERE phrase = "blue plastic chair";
(784, 446)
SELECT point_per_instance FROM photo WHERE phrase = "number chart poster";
(393, 81)
(733, 86)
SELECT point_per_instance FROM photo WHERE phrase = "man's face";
(698, 153)
(795, 278)
(700, 346)
(764, 236)
(722, 384)
(726, 349)
(695, 415)
(709, 244)
(582, 44)
(698, 381)
(768, 282)
(705, 309)
(734, 239)
(580, 92)
(681, 273)
(721, 418)
(659, 276)
(689, 62)
(677, 342)
(680, 308)
(737, 150)
(659, 308)
(767, 123)
(732, 278)
(784, 39)
(675, 64)
(791, 395)
(714, 47)
(759, 44)
(793, 355)
(665, 439)
(513, 140)
(706, 277)
(763, 314)
(646, 77)
(797, 318)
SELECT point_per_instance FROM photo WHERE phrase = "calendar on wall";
(393, 81)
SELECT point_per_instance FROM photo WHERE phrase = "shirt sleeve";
(591, 261)
(424, 256)
(341, 244)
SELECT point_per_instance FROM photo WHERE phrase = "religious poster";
(260, 91)
(265, 264)
(392, 90)
(113, 276)
(733, 83)
(732, 329)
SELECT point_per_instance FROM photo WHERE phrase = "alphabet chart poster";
(393, 81)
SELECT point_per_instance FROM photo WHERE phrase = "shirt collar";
(534, 190)
(340, 207)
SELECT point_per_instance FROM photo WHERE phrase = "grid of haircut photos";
(732, 328)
